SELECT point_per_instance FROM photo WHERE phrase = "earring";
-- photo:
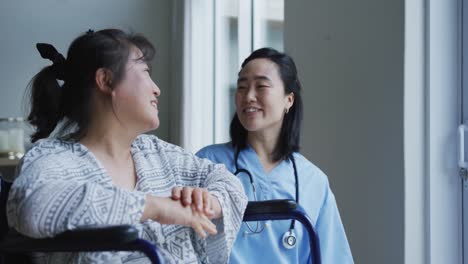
(286, 110)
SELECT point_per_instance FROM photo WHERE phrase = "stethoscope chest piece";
(289, 239)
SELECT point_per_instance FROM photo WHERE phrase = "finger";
(207, 197)
(176, 192)
(197, 197)
(208, 226)
(197, 226)
(187, 196)
(196, 222)
(209, 213)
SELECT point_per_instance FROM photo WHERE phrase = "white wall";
(350, 55)
(25, 22)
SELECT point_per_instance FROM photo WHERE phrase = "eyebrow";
(140, 59)
(256, 78)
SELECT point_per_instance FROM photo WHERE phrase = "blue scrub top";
(315, 197)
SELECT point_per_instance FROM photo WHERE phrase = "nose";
(156, 90)
(250, 95)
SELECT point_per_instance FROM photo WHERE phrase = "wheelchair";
(14, 247)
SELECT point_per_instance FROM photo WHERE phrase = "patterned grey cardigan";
(61, 186)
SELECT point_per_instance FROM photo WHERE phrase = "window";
(464, 81)
(444, 230)
(222, 34)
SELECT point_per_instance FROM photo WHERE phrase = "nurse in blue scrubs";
(264, 154)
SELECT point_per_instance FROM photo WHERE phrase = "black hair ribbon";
(48, 51)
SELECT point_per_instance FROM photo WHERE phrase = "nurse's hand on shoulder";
(199, 198)
(170, 212)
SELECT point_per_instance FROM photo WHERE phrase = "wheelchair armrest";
(258, 208)
(83, 239)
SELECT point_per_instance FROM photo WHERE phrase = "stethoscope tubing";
(252, 183)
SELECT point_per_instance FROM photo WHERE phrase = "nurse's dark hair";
(66, 106)
(289, 138)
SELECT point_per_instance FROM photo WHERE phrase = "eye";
(241, 87)
(148, 70)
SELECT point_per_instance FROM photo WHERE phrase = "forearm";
(172, 212)
(156, 208)
(70, 205)
(151, 208)
(166, 211)
(230, 197)
(225, 188)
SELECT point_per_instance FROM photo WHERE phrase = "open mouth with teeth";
(251, 110)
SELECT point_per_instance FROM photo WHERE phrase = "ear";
(289, 100)
(103, 79)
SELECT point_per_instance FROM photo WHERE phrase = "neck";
(108, 137)
(109, 145)
(264, 144)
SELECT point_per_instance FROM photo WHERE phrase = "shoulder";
(217, 152)
(47, 151)
(50, 156)
(309, 173)
(315, 188)
(154, 149)
(151, 143)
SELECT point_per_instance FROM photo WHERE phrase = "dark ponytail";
(45, 103)
(67, 107)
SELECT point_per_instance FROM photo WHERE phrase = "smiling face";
(134, 98)
(261, 100)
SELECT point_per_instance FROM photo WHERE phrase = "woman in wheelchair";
(264, 154)
(92, 165)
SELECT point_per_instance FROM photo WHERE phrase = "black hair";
(289, 138)
(70, 102)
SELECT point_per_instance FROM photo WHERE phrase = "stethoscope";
(289, 237)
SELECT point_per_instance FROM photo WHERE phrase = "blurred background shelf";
(6, 162)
